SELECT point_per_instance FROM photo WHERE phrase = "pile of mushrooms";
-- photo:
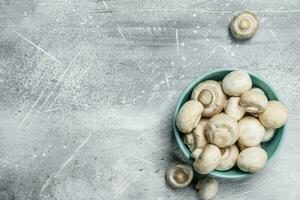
(224, 125)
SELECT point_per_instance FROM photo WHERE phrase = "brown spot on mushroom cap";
(189, 116)
(211, 95)
(251, 131)
(252, 159)
(244, 25)
(222, 130)
(274, 116)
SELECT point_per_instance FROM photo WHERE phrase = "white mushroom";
(236, 82)
(269, 134)
(208, 159)
(274, 116)
(229, 156)
(233, 108)
(242, 147)
(252, 159)
(222, 130)
(196, 153)
(189, 116)
(254, 101)
(244, 25)
(208, 188)
(199, 135)
(189, 140)
(179, 175)
(251, 131)
(211, 95)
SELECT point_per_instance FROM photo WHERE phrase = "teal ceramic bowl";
(271, 147)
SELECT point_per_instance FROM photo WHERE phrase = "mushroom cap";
(208, 160)
(189, 116)
(208, 188)
(233, 108)
(222, 130)
(269, 134)
(254, 101)
(189, 140)
(229, 156)
(179, 175)
(199, 135)
(236, 82)
(274, 116)
(242, 147)
(252, 159)
(244, 25)
(211, 95)
(251, 131)
(196, 153)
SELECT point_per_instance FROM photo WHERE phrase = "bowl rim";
(182, 146)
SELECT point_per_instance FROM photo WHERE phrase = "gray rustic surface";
(88, 88)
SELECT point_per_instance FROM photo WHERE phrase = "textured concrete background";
(88, 88)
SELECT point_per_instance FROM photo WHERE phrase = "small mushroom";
(242, 147)
(208, 159)
(244, 25)
(208, 188)
(229, 156)
(189, 140)
(211, 95)
(233, 108)
(199, 135)
(196, 153)
(254, 101)
(236, 82)
(274, 116)
(251, 131)
(179, 175)
(252, 159)
(269, 134)
(222, 130)
(189, 116)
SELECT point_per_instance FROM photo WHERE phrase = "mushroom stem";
(206, 97)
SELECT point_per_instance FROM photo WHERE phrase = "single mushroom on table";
(274, 116)
(229, 156)
(222, 130)
(208, 188)
(244, 25)
(211, 95)
(254, 101)
(252, 159)
(179, 175)
(189, 116)
(208, 160)
(251, 131)
(233, 108)
(236, 83)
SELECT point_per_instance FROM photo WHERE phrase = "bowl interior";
(271, 147)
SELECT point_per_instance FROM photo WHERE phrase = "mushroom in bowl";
(235, 83)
